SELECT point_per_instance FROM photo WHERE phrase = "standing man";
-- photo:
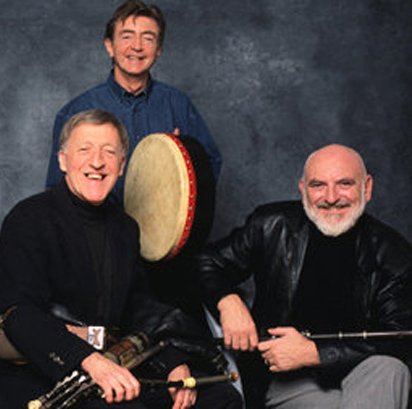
(72, 247)
(325, 266)
(134, 40)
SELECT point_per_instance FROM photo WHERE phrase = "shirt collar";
(126, 96)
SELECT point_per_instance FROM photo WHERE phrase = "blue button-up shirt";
(159, 108)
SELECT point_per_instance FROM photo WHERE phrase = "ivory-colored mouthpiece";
(34, 404)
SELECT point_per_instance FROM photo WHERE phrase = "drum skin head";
(157, 193)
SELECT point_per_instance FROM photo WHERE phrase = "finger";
(235, 342)
(264, 346)
(172, 393)
(136, 387)
(176, 132)
(107, 393)
(253, 341)
(125, 386)
(184, 398)
(194, 397)
(227, 340)
(119, 392)
(244, 343)
(187, 398)
(129, 392)
(280, 331)
(132, 387)
(178, 400)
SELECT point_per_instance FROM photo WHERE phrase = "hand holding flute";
(290, 350)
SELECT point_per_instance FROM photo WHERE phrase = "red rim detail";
(192, 197)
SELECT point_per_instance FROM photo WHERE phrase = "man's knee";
(380, 369)
(379, 381)
(387, 367)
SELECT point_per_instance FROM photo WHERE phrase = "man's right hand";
(238, 327)
(117, 383)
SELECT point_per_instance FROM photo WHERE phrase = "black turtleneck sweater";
(324, 297)
(94, 222)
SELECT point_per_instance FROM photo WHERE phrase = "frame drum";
(169, 191)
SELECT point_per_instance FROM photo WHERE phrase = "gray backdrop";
(274, 79)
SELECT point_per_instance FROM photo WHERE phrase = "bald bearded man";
(323, 265)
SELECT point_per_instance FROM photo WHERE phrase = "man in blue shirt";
(133, 39)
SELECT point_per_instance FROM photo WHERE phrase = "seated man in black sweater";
(321, 265)
(71, 247)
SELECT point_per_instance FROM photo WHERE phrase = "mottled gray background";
(274, 79)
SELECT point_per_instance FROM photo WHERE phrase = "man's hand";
(288, 351)
(183, 398)
(238, 327)
(117, 383)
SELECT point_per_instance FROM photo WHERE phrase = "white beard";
(336, 227)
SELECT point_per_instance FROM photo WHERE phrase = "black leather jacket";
(271, 246)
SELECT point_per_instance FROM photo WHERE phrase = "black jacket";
(271, 247)
(45, 260)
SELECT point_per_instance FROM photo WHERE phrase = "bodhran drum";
(170, 192)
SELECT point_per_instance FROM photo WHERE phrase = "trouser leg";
(302, 392)
(219, 396)
(378, 382)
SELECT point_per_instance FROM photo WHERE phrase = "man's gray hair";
(96, 117)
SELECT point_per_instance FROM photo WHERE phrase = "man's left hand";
(288, 350)
(183, 398)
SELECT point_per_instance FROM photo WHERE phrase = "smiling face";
(335, 189)
(92, 160)
(134, 48)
